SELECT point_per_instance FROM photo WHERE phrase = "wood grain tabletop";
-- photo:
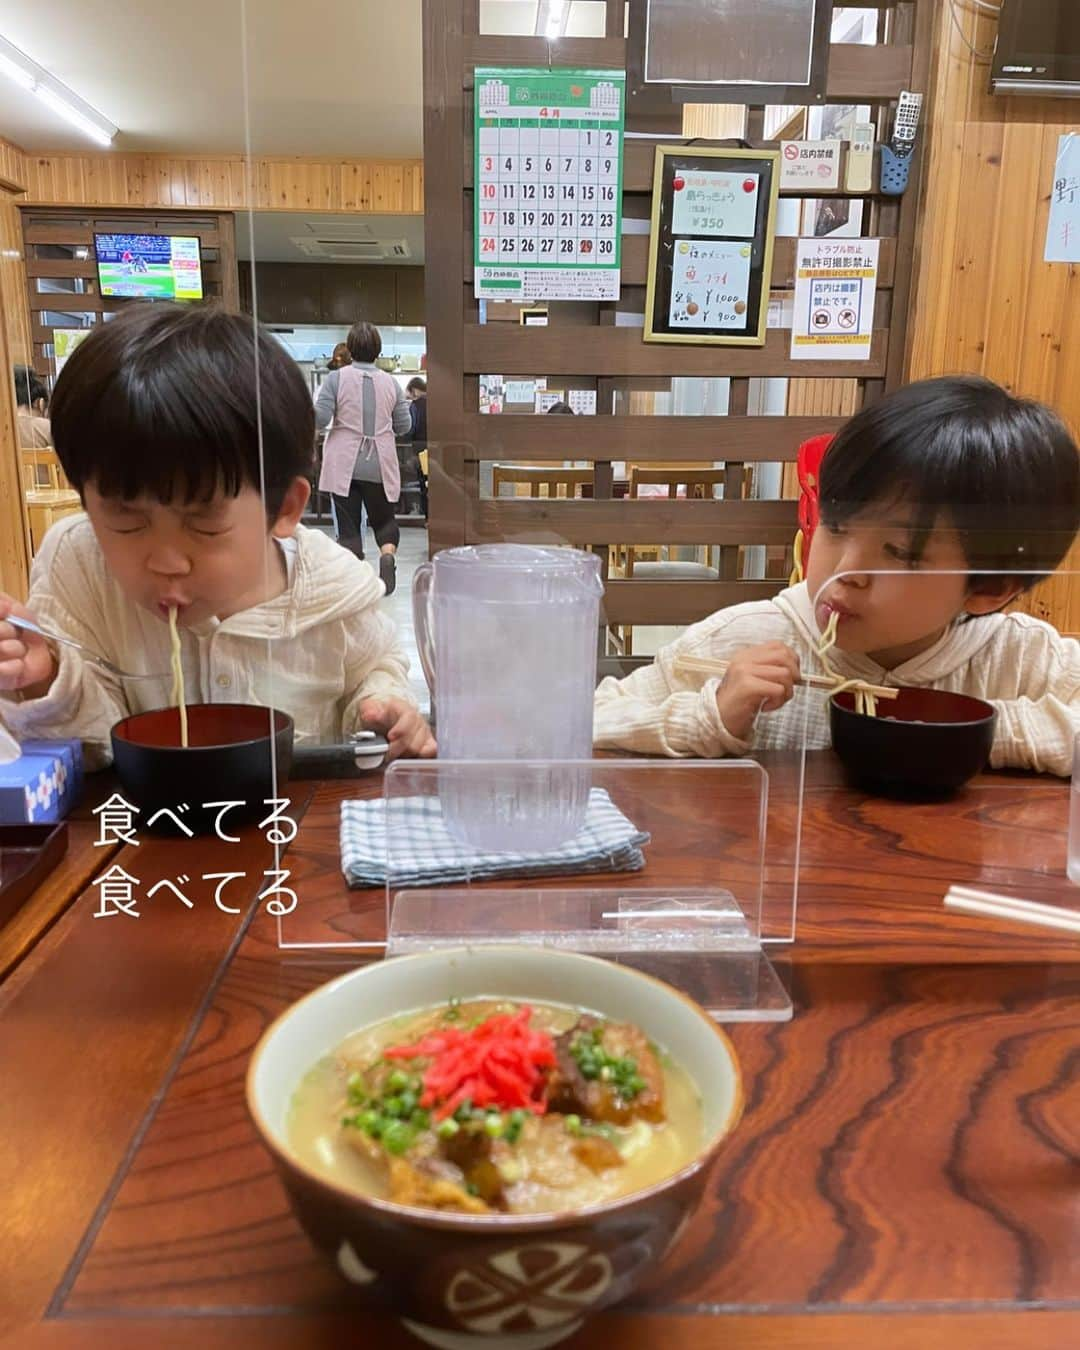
(905, 1174)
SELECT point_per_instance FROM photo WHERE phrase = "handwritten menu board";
(548, 184)
(710, 257)
(710, 286)
(715, 204)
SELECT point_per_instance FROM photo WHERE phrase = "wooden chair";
(558, 482)
(648, 561)
(41, 468)
(45, 506)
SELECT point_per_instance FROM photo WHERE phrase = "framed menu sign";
(711, 245)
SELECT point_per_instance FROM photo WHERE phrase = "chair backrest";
(699, 483)
(558, 482)
(41, 468)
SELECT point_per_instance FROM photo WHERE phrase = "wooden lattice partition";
(59, 247)
(582, 347)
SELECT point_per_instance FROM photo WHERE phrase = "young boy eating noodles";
(189, 435)
(939, 505)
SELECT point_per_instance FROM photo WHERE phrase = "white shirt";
(315, 651)
(1025, 668)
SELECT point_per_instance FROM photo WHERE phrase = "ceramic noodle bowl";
(230, 756)
(509, 1280)
(507, 635)
(926, 743)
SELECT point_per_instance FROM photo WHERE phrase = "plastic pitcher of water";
(507, 635)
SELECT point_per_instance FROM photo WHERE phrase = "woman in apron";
(360, 464)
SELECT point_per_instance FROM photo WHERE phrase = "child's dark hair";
(161, 402)
(962, 451)
(417, 385)
(364, 342)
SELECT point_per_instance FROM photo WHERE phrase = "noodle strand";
(865, 701)
(178, 676)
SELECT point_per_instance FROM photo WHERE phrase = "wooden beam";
(857, 74)
(635, 262)
(444, 224)
(554, 439)
(658, 520)
(678, 602)
(511, 350)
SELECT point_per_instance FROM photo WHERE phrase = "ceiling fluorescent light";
(67, 110)
(17, 66)
(15, 72)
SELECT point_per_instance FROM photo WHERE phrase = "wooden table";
(82, 861)
(905, 1174)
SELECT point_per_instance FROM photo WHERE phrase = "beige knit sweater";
(316, 651)
(1024, 667)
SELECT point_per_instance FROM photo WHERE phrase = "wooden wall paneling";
(910, 205)
(985, 301)
(224, 183)
(15, 346)
(445, 112)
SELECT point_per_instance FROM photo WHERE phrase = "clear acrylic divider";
(656, 864)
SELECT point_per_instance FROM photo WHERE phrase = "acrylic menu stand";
(692, 915)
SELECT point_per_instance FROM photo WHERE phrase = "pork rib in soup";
(487, 1108)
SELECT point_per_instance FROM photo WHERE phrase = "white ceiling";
(325, 79)
(274, 232)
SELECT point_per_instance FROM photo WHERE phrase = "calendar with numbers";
(548, 184)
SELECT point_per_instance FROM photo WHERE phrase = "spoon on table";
(91, 655)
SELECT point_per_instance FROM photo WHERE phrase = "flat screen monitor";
(1038, 48)
(149, 266)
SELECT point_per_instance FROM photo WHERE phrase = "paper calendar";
(548, 184)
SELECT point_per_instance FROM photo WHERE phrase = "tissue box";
(43, 784)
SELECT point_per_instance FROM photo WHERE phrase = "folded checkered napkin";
(426, 854)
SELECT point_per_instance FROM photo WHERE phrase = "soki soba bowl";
(926, 743)
(477, 1272)
(230, 756)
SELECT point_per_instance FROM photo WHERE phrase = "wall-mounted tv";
(149, 266)
(1038, 48)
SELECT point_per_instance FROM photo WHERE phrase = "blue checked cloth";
(426, 854)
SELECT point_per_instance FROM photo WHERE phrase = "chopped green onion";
(493, 1126)
(397, 1137)
(447, 1128)
(573, 1125)
(370, 1122)
(394, 1107)
(398, 1081)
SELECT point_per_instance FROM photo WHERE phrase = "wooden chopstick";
(992, 906)
(701, 665)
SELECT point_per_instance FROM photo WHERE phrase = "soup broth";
(491, 1107)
